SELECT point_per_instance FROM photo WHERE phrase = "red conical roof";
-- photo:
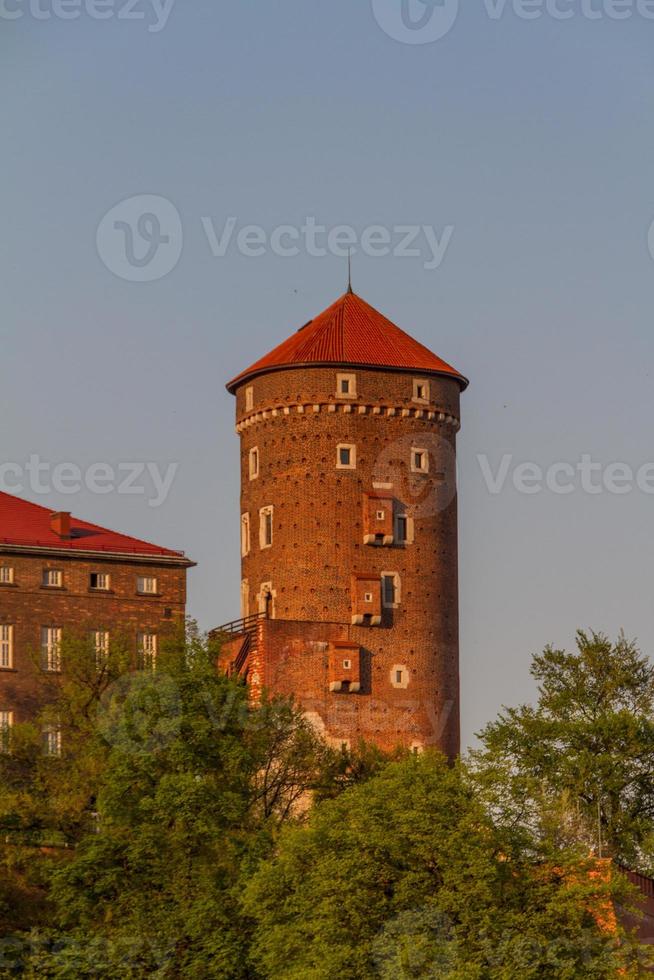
(350, 332)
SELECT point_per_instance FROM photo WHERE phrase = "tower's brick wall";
(295, 422)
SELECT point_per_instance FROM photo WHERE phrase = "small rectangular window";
(245, 535)
(398, 676)
(147, 651)
(6, 647)
(52, 741)
(146, 585)
(420, 390)
(419, 461)
(249, 399)
(402, 529)
(254, 463)
(53, 578)
(100, 641)
(6, 575)
(6, 725)
(346, 385)
(51, 649)
(390, 589)
(346, 457)
(266, 527)
(347, 665)
(367, 597)
(381, 516)
(100, 581)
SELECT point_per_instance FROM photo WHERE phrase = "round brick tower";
(349, 530)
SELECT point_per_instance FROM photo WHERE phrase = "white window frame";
(351, 380)
(397, 590)
(51, 649)
(53, 578)
(347, 665)
(266, 521)
(6, 575)
(419, 383)
(408, 520)
(254, 463)
(103, 579)
(367, 596)
(6, 725)
(6, 646)
(405, 677)
(245, 535)
(100, 640)
(147, 585)
(352, 465)
(245, 598)
(147, 647)
(415, 467)
(52, 741)
(249, 398)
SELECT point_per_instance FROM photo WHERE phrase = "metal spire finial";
(349, 270)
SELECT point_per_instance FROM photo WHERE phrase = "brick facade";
(27, 605)
(321, 579)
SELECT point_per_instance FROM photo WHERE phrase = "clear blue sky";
(533, 139)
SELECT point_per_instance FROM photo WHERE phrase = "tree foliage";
(579, 765)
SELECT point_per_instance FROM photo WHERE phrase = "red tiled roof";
(351, 332)
(27, 525)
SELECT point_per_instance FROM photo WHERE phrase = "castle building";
(59, 575)
(349, 580)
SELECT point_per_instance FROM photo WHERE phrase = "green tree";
(406, 876)
(170, 786)
(579, 765)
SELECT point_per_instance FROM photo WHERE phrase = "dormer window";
(346, 385)
(420, 390)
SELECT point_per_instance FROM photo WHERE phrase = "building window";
(6, 725)
(147, 651)
(420, 390)
(245, 599)
(245, 535)
(146, 585)
(367, 597)
(51, 649)
(346, 457)
(419, 461)
(100, 641)
(100, 581)
(6, 575)
(346, 385)
(52, 741)
(266, 527)
(399, 676)
(390, 590)
(347, 665)
(381, 515)
(53, 578)
(249, 399)
(402, 528)
(6, 647)
(254, 463)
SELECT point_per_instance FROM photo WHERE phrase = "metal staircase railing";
(247, 624)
